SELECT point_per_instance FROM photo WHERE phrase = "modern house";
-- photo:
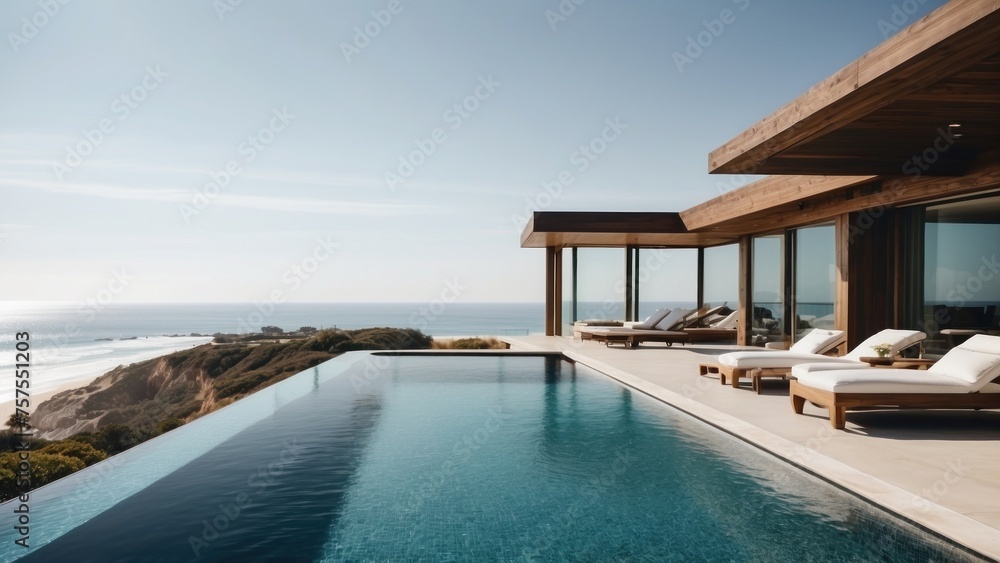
(883, 194)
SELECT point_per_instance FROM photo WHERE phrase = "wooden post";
(629, 280)
(701, 277)
(841, 297)
(745, 307)
(550, 294)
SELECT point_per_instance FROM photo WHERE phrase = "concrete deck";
(940, 469)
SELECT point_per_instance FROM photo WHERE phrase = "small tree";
(308, 330)
(17, 422)
(271, 330)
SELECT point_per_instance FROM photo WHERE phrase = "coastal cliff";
(168, 391)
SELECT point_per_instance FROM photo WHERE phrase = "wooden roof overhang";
(779, 202)
(893, 104)
(560, 229)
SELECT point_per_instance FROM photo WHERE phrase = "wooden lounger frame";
(838, 403)
(734, 374)
(632, 338)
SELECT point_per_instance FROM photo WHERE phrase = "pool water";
(476, 458)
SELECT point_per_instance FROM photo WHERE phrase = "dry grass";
(477, 343)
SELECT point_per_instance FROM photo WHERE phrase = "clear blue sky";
(312, 119)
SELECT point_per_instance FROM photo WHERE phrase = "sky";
(386, 150)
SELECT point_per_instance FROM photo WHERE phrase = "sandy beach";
(49, 380)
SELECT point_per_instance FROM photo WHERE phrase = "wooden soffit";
(614, 229)
(779, 202)
(891, 106)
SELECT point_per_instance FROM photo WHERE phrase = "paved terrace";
(940, 469)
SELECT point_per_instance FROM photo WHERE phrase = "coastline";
(70, 377)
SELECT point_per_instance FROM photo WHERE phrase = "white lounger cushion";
(898, 339)
(823, 365)
(775, 359)
(975, 361)
(876, 380)
(651, 320)
(728, 322)
(817, 341)
(673, 319)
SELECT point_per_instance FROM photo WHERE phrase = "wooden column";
(631, 292)
(557, 292)
(841, 299)
(745, 306)
(700, 300)
(550, 292)
(870, 274)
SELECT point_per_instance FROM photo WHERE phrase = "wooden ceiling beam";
(958, 35)
(887, 192)
(763, 195)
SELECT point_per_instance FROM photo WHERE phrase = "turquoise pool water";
(461, 459)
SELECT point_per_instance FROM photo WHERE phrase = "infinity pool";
(378, 458)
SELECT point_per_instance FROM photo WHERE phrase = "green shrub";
(45, 468)
(72, 448)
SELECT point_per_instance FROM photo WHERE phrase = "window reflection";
(815, 278)
(666, 277)
(961, 272)
(768, 303)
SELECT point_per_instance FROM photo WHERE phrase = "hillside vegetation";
(134, 403)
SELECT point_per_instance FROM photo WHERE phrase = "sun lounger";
(670, 329)
(631, 337)
(810, 349)
(963, 378)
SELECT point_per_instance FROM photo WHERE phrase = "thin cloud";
(180, 196)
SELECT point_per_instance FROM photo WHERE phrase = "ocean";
(73, 343)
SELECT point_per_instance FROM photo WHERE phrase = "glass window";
(720, 281)
(666, 277)
(961, 275)
(768, 303)
(815, 278)
(600, 283)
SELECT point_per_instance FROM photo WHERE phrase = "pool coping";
(966, 533)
